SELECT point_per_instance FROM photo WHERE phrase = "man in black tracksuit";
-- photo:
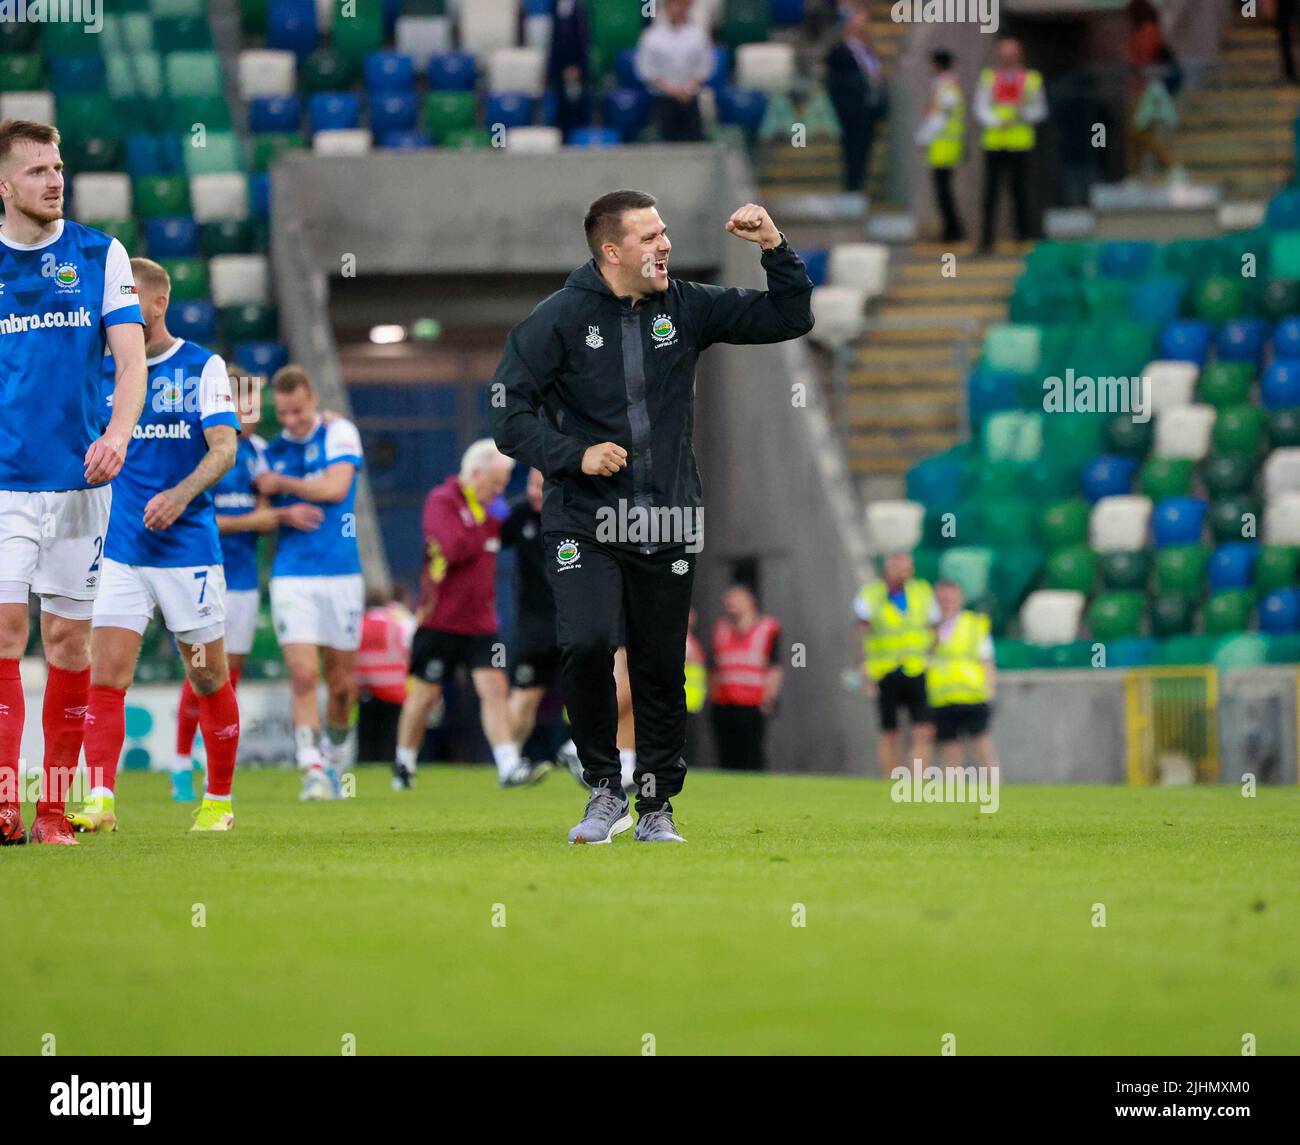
(595, 388)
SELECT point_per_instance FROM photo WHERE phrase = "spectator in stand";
(943, 135)
(855, 83)
(385, 651)
(1151, 107)
(746, 679)
(1009, 105)
(567, 67)
(673, 59)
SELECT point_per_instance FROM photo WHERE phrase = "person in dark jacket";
(567, 65)
(855, 83)
(595, 388)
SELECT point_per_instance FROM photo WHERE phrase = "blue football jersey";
(57, 299)
(188, 392)
(330, 550)
(235, 496)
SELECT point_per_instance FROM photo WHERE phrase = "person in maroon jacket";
(458, 613)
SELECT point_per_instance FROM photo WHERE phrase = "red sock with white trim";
(187, 722)
(219, 718)
(63, 720)
(105, 734)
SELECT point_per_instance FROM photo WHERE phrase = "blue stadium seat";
(742, 108)
(627, 111)
(1130, 651)
(1279, 611)
(1157, 300)
(1242, 340)
(405, 140)
(334, 111)
(1125, 258)
(1279, 388)
(397, 111)
(721, 74)
(1108, 475)
(153, 155)
(1286, 338)
(1284, 210)
(594, 137)
(816, 261)
(452, 71)
(274, 113)
(291, 26)
(175, 236)
(1233, 565)
(76, 73)
(389, 73)
(259, 194)
(935, 481)
(625, 69)
(550, 108)
(989, 392)
(261, 357)
(787, 13)
(1186, 341)
(195, 320)
(508, 108)
(1178, 521)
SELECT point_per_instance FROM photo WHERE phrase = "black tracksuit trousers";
(650, 594)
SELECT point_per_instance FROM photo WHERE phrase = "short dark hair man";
(595, 388)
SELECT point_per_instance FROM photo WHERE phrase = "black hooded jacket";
(587, 366)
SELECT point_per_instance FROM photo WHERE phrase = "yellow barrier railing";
(1172, 721)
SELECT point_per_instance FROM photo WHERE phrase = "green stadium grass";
(373, 917)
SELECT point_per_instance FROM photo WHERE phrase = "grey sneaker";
(526, 774)
(607, 815)
(657, 827)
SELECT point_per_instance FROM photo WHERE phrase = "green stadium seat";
(743, 22)
(1166, 477)
(91, 153)
(1009, 521)
(324, 70)
(1064, 523)
(248, 323)
(1074, 437)
(1042, 299)
(192, 74)
(466, 139)
(1229, 611)
(1280, 298)
(266, 149)
(1013, 435)
(1060, 259)
(1076, 654)
(128, 33)
(67, 37)
(85, 116)
(1225, 473)
(1181, 569)
(18, 36)
(1054, 346)
(1015, 572)
(1284, 427)
(1172, 614)
(926, 563)
(1219, 298)
(221, 151)
(970, 566)
(1128, 437)
(1277, 566)
(227, 236)
(189, 278)
(182, 34)
(1107, 299)
(252, 17)
(1284, 648)
(1244, 650)
(1051, 479)
(1189, 258)
(999, 479)
(1115, 615)
(21, 71)
(1286, 254)
(1126, 570)
(1072, 569)
(1113, 348)
(126, 231)
(1013, 349)
(1179, 649)
(158, 195)
(1239, 429)
(1225, 384)
(1015, 655)
(212, 112)
(1234, 518)
(947, 526)
(354, 39)
(448, 111)
(135, 76)
(1232, 248)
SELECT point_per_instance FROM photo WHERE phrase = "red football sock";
(235, 673)
(12, 710)
(187, 720)
(219, 718)
(105, 734)
(63, 720)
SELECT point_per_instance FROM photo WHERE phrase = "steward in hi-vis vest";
(745, 680)
(961, 679)
(943, 135)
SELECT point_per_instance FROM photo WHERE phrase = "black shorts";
(534, 664)
(436, 655)
(898, 690)
(952, 721)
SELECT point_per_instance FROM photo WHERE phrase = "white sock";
(627, 765)
(307, 753)
(406, 758)
(507, 757)
(100, 793)
(181, 764)
(216, 798)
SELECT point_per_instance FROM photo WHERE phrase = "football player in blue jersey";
(163, 552)
(317, 590)
(66, 291)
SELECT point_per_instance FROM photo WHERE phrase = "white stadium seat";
(894, 526)
(37, 105)
(1282, 519)
(517, 69)
(1051, 616)
(1282, 473)
(238, 279)
(423, 36)
(1119, 524)
(347, 141)
(533, 140)
(219, 196)
(706, 13)
(1185, 432)
(102, 195)
(838, 311)
(537, 33)
(864, 265)
(325, 14)
(488, 24)
(1172, 384)
(265, 72)
(766, 67)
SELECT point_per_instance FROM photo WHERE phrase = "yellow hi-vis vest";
(1012, 136)
(898, 639)
(956, 674)
(947, 149)
(697, 676)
